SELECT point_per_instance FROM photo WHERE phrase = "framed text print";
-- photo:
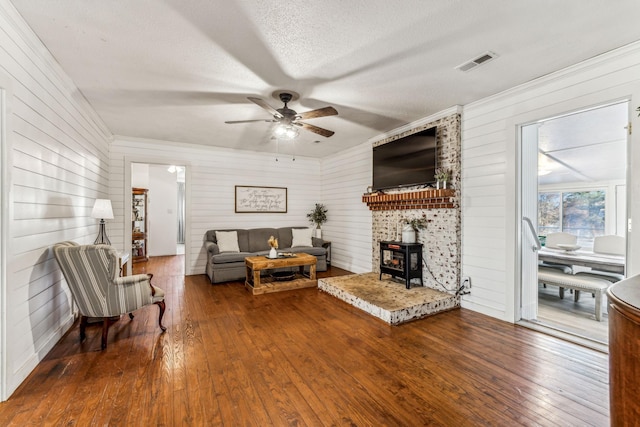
(261, 199)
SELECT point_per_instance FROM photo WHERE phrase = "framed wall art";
(261, 199)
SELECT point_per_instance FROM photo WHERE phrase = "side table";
(327, 246)
(123, 260)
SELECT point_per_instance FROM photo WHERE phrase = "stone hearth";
(388, 299)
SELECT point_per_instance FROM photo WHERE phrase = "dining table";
(596, 261)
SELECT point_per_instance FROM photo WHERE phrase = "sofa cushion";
(227, 257)
(243, 238)
(227, 241)
(259, 238)
(210, 236)
(284, 237)
(301, 237)
(315, 251)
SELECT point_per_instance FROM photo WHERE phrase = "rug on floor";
(388, 299)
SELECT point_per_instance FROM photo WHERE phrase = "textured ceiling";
(177, 70)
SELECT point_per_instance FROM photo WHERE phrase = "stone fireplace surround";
(442, 238)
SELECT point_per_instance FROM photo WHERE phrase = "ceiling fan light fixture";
(289, 120)
(285, 131)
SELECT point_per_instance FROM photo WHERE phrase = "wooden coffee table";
(263, 285)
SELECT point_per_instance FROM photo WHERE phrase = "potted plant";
(411, 227)
(318, 216)
(441, 175)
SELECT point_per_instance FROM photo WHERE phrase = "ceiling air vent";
(485, 57)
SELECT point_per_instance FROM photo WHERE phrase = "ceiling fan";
(289, 119)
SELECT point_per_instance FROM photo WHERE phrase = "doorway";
(573, 180)
(165, 220)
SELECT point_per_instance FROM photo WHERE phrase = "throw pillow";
(301, 237)
(227, 241)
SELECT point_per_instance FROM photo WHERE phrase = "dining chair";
(91, 272)
(610, 245)
(552, 241)
(607, 245)
(560, 238)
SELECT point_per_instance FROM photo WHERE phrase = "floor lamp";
(102, 210)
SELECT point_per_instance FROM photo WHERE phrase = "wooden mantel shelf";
(424, 199)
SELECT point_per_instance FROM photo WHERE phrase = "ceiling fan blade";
(249, 121)
(315, 129)
(165, 97)
(363, 117)
(266, 106)
(320, 112)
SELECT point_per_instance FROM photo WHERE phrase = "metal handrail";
(537, 246)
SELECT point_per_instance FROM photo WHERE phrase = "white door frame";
(528, 211)
(128, 160)
(520, 231)
(5, 200)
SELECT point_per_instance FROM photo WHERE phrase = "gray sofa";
(228, 266)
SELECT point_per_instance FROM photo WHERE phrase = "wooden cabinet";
(139, 225)
(624, 351)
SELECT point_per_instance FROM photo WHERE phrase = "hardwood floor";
(304, 357)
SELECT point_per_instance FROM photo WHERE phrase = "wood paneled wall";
(59, 161)
(489, 168)
(345, 178)
(56, 165)
(212, 174)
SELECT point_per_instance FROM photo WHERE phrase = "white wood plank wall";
(345, 178)
(212, 174)
(59, 161)
(489, 169)
(57, 166)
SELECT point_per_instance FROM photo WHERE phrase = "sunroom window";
(581, 213)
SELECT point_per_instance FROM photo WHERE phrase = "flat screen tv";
(411, 160)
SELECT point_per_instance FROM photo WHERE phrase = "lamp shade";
(102, 209)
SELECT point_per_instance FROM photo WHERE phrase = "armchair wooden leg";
(106, 322)
(83, 327)
(162, 306)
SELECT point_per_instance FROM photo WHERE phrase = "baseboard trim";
(19, 375)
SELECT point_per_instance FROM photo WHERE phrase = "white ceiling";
(586, 146)
(177, 70)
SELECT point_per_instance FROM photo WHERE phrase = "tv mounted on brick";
(410, 160)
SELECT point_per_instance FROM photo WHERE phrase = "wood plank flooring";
(305, 358)
(577, 318)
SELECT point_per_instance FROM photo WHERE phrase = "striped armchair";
(92, 271)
